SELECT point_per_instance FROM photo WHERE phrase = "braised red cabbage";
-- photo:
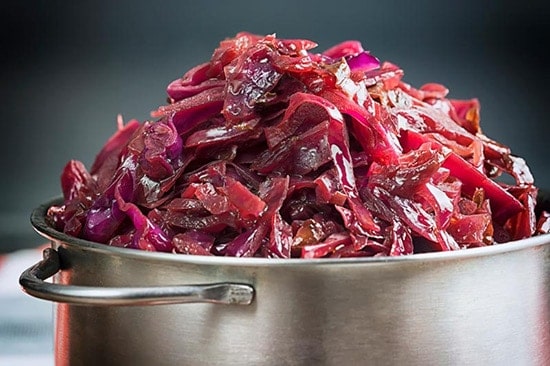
(271, 150)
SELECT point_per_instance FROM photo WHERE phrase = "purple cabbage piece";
(363, 62)
(269, 149)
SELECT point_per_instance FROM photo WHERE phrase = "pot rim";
(38, 221)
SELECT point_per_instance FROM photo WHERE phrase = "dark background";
(68, 68)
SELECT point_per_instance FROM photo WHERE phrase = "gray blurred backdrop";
(68, 68)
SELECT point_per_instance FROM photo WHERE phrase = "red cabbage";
(271, 150)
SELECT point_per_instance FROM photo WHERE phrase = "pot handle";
(32, 281)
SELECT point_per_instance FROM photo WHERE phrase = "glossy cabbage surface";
(272, 150)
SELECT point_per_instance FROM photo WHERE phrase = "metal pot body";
(486, 306)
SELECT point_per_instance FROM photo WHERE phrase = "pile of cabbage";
(272, 150)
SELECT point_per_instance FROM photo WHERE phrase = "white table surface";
(26, 323)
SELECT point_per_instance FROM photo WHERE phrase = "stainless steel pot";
(483, 306)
